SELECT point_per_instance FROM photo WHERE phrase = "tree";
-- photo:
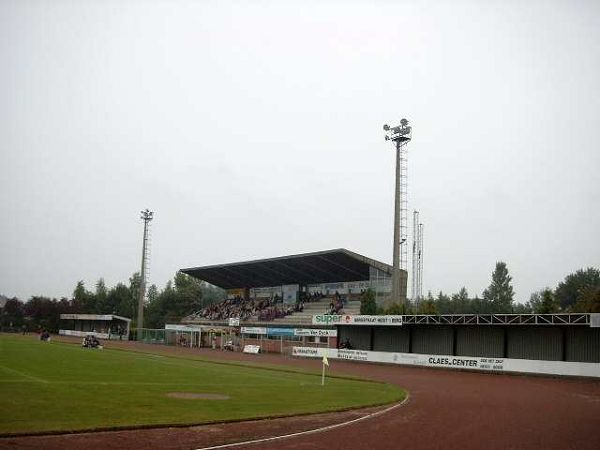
(395, 309)
(522, 308)
(43, 312)
(443, 304)
(575, 285)
(12, 315)
(100, 306)
(428, 306)
(211, 294)
(544, 302)
(500, 293)
(189, 294)
(119, 301)
(480, 306)
(84, 299)
(152, 293)
(368, 305)
(589, 301)
(460, 303)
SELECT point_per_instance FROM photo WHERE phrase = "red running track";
(466, 410)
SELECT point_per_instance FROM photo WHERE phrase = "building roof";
(328, 266)
(97, 317)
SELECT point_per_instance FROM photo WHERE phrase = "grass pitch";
(47, 387)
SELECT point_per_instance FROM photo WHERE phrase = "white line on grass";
(30, 377)
(316, 430)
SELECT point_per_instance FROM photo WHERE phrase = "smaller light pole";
(147, 216)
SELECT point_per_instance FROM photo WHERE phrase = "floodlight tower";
(147, 217)
(420, 263)
(415, 259)
(400, 135)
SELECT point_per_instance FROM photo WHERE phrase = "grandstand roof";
(328, 266)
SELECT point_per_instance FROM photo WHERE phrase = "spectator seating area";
(265, 309)
(273, 309)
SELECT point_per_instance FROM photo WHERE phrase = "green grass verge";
(50, 387)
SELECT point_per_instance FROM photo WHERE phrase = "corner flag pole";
(325, 363)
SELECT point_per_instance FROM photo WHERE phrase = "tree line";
(578, 292)
(181, 296)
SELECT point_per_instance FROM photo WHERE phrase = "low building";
(103, 326)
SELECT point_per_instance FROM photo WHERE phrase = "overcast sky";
(254, 129)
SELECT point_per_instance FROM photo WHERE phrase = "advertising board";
(82, 333)
(290, 293)
(457, 362)
(177, 327)
(86, 316)
(251, 349)
(345, 319)
(254, 330)
(288, 331)
(314, 332)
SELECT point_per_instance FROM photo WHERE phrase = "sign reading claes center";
(344, 319)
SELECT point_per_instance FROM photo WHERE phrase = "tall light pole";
(400, 135)
(146, 216)
(414, 276)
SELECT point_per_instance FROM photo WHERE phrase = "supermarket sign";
(345, 319)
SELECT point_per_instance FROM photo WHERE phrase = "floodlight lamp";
(386, 127)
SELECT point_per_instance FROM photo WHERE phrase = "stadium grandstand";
(308, 305)
(291, 289)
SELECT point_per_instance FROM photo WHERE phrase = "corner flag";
(325, 363)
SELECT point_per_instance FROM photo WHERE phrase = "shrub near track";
(59, 387)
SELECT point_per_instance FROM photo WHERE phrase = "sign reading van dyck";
(344, 319)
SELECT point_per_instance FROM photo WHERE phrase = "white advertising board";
(234, 321)
(251, 349)
(177, 327)
(345, 319)
(457, 362)
(254, 330)
(86, 316)
(290, 293)
(314, 332)
(82, 333)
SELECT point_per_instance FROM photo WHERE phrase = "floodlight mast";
(400, 135)
(147, 217)
(415, 260)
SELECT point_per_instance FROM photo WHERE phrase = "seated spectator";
(346, 344)
(91, 341)
(45, 336)
(265, 309)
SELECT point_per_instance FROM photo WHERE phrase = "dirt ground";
(446, 410)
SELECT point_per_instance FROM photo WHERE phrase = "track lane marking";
(313, 431)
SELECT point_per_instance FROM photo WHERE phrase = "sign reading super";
(342, 319)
